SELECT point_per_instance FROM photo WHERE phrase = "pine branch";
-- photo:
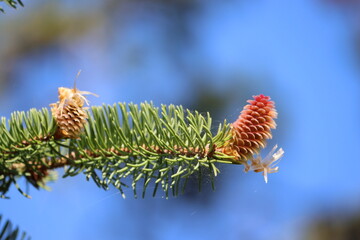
(12, 3)
(119, 141)
(7, 232)
(129, 145)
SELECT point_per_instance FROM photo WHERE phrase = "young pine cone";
(70, 121)
(251, 130)
(69, 114)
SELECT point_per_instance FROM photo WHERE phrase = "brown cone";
(70, 120)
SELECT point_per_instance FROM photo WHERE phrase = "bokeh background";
(209, 56)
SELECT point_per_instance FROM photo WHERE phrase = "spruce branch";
(119, 141)
(8, 232)
(12, 3)
(125, 145)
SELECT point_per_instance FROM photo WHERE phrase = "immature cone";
(251, 130)
(69, 114)
(70, 121)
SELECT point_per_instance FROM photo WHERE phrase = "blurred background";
(208, 56)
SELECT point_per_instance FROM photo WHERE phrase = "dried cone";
(69, 113)
(70, 120)
(251, 130)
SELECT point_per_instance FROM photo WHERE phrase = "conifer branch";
(12, 3)
(8, 232)
(119, 141)
(129, 145)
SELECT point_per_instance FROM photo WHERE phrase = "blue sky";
(301, 53)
